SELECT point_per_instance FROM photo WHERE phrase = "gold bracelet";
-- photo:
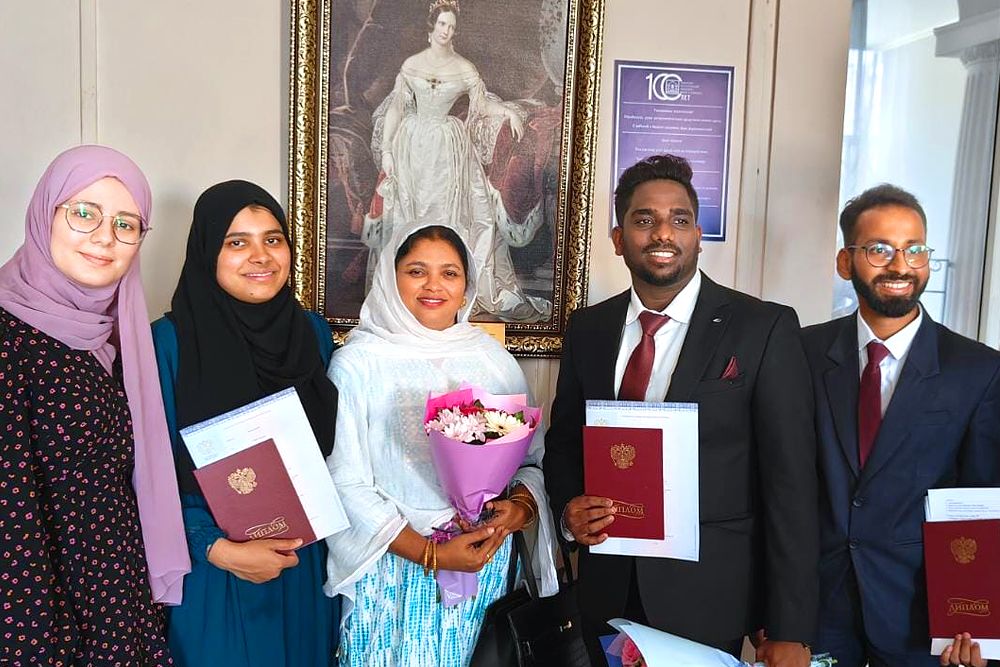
(434, 552)
(425, 561)
(525, 496)
(532, 513)
(528, 499)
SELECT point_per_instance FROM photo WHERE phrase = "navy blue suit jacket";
(941, 429)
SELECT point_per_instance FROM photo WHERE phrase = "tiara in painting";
(442, 3)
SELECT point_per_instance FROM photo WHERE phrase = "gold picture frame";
(309, 186)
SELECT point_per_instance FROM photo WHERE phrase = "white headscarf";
(385, 316)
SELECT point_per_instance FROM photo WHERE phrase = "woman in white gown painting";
(433, 166)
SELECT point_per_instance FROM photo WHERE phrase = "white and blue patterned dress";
(397, 614)
(383, 471)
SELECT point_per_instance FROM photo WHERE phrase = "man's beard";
(891, 306)
(659, 279)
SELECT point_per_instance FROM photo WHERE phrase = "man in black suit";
(741, 361)
(902, 405)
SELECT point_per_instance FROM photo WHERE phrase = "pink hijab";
(84, 318)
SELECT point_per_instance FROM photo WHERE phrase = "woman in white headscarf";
(413, 338)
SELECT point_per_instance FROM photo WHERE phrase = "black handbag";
(523, 630)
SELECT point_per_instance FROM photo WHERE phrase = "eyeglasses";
(881, 255)
(86, 217)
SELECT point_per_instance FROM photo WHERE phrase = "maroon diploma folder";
(963, 577)
(626, 465)
(252, 497)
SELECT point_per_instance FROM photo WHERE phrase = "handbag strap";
(567, 564)
(520, 552)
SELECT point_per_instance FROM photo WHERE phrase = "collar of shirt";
(898, 344)
(679, 310)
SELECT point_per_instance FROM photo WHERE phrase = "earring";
(465, 300)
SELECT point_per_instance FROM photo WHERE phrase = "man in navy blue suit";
(902, 405)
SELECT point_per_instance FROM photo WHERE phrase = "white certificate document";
(964, 504)
(280, 417)
(679, 424)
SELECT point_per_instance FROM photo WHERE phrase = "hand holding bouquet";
(478, 441)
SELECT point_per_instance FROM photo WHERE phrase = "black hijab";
(231, 352)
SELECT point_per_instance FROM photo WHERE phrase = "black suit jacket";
(941, 429)
(757, 475)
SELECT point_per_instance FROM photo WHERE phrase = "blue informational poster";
(684, 110)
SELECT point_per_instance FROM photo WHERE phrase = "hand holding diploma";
(963, 651)
(587, 516)
(257, 561)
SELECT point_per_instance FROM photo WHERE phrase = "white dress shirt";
(669, 338)
(898, 345)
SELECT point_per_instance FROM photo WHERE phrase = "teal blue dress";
(225, 621)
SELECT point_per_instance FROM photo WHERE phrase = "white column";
(974, 39)
(971, 194)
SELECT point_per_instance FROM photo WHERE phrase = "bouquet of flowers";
(478, 441)
(641, 646)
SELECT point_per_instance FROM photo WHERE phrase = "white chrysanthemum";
(468, 428)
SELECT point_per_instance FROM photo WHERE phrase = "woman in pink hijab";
(90, 526)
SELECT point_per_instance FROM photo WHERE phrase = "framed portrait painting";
(474, 114)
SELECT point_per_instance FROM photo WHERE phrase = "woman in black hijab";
(236, 334)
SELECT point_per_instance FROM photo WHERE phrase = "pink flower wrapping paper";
(473, 474)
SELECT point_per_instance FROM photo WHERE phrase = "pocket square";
(732, 370)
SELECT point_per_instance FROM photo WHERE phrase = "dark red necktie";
(870, 401)
(640, 364)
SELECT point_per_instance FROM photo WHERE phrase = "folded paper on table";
(626, 465)
(280, 419)
(252, 497)
(678, 423)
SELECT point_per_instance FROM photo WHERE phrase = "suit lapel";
(841, 383)
(708, 322)
(609, 337)
(921, 363)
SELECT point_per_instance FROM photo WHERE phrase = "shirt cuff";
(565, 531)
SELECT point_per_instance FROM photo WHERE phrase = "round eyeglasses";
(880, 255)
(86, 217)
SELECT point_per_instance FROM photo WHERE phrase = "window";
(921, 113)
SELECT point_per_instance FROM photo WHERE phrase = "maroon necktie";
(640, 364)
(870, 400)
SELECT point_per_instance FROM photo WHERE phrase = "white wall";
(193, 102)
(196, 92)
(807, 129)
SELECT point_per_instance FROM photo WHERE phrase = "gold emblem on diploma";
(242, 480)
(964, 550)
(623, 455)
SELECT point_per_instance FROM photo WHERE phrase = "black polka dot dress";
(73, 582)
